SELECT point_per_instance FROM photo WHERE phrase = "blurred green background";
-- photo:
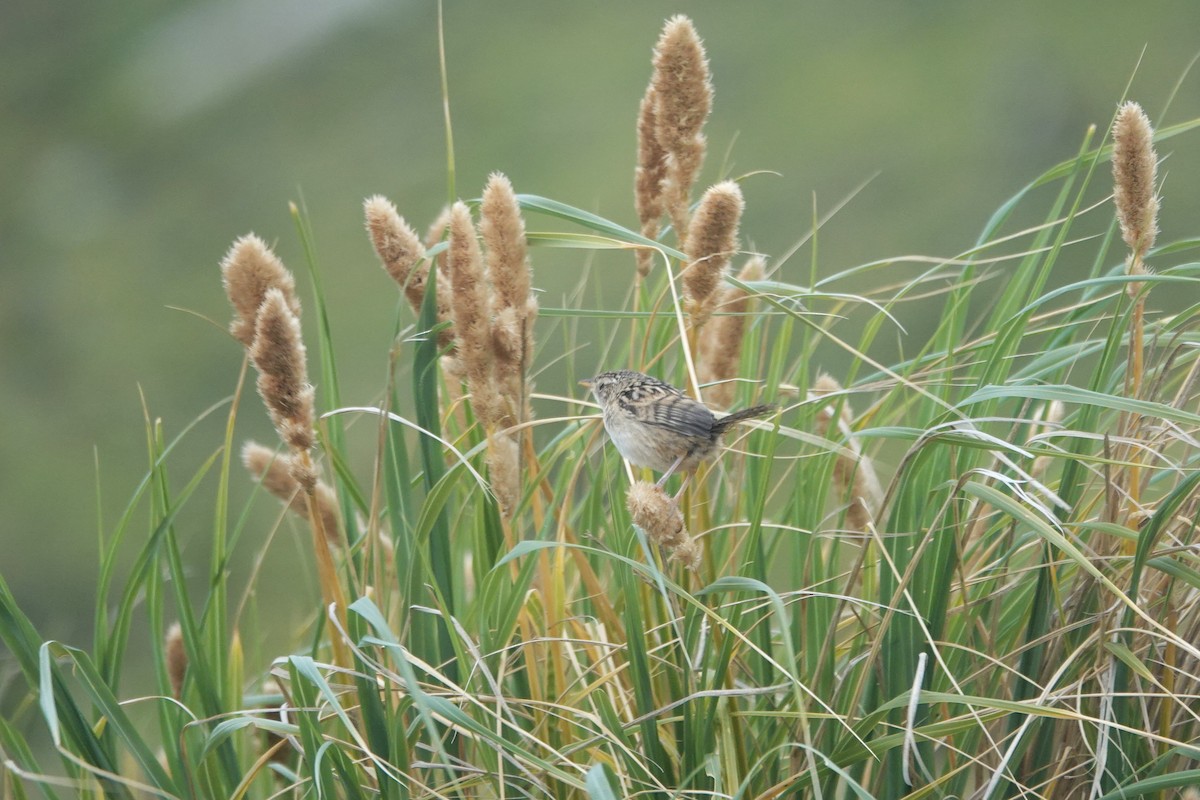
(138, 139)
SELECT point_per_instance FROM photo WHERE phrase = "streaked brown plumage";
(655, 425)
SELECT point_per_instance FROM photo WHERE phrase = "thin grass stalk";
(216, 613)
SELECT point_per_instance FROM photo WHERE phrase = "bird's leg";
(669, 472)
(686, 480)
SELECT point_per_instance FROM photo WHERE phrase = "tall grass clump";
(971, 572)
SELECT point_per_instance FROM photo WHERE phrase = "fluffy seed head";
(653, 512)
(853, 471)
(445, 313)
(437, 228)
(436, 233)
(683, 98)
(649, 176)
(513, 306)
(279, 356)
(275, 471)
(689, 553)
(504, 470)
(721, 340)
(823, 385)
(681, 83)
(503, 232)
(652, 161)
(1134, 170)
(472, 312)
(659, 516)
(248, 270)
(177, 660)
(506, 337)
(398, 248)
(711, 242)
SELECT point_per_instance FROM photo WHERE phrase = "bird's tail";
(753, 412)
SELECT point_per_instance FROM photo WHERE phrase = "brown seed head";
(445, 313)
(275, 470)
(177, 660)
(649, 176)
(653, 512)
(682, 170)
(503, 232)
(437, 229)
(279, 355)
(681, 84)
(711, 242)
(248, 270)
(683, 97)
(659, 516)
(531, 314)
(823, 385)
(513, 305)
(504, 470)
(472, 312)
(690, 553)
(652, 161)
(398, 248)
(1134, 170)
(721, 340)
(853, 471)
(506, 340)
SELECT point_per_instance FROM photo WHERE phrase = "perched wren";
(655, 425)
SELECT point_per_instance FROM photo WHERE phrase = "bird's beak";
(586, 383)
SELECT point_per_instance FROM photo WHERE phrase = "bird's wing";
(675, 412)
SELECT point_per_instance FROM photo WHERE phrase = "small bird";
(655, 425)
